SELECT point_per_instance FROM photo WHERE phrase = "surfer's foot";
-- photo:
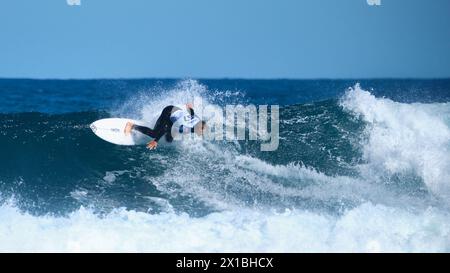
(128, 128)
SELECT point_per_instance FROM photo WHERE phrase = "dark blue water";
(59, 96)
(348, 152)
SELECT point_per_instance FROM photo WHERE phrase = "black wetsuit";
(162, 126)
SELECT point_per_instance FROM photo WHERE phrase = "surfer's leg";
(163, 125)
(164, 118)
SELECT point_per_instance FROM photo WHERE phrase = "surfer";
(186, 122)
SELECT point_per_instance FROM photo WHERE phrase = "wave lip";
(404, 138)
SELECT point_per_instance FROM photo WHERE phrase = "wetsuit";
(163, 125)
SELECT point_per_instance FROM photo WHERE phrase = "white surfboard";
(112, 130)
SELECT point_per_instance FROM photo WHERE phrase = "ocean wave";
(404, 138)
(351, 151)
(361, 173)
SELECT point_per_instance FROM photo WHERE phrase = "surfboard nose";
(93, 127)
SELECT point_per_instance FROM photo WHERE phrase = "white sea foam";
(404, 138)
(110, 177)
(366, 228)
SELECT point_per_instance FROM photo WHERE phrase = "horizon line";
(224, 78)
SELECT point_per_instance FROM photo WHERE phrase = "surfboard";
(112, 130)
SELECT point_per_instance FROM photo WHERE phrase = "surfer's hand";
(152, 145)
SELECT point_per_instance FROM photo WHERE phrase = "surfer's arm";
(154, 143)
(159, 131)
(155, 134)
(158, 136)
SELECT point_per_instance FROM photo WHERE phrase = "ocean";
(362, 166)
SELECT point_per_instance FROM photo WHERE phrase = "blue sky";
(224, 38)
